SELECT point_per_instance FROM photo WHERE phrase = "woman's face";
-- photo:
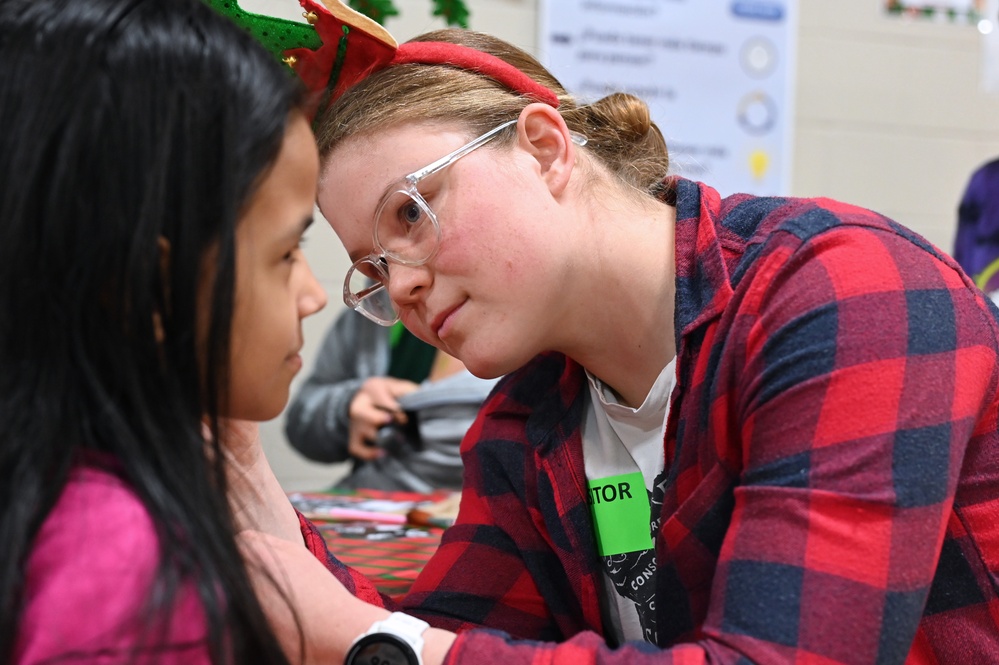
(275, 288)
(489, 295)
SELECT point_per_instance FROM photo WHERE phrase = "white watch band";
(405, 627)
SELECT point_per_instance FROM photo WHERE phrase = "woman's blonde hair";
(619, 129)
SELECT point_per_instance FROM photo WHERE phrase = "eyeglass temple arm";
(433, 167)
(450, 158)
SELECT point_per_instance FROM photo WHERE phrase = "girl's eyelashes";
(292, 254)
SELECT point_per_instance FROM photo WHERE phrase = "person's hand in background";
(374, 406)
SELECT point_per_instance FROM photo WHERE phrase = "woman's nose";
(406, 284)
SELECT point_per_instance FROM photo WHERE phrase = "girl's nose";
(313, 296)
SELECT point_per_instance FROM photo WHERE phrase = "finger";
(400, 387)
(367, 431)
(385, 403)
(391, 414)
(364, 410)
(372, 417)
(361, 449)
(387, 389)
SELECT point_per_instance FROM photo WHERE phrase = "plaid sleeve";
(479, 576)
(862, 368)
(359, 585)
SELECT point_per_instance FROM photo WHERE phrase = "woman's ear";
(543, 133)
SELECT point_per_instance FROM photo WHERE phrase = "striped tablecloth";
(391, 555)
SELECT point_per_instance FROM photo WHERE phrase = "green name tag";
(621, 514)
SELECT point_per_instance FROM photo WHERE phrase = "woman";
(159, 172)
(733, 430)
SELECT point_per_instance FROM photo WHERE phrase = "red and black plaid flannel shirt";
(833, 488)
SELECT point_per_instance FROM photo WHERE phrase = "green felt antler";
(276, 34)
(338, 47)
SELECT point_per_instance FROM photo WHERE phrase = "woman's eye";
(411, 212)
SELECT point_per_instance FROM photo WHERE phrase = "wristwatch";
(398, 640)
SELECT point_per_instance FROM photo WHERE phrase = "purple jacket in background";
(976, 243)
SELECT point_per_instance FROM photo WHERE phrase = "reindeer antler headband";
(341, 47)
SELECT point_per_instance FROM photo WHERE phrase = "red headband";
(465, 57)
(354, 47)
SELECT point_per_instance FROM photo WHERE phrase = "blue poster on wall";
(717, 75)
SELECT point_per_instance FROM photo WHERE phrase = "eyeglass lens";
(371, 294)
(404, 229)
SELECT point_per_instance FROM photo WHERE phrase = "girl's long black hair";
(132, 134)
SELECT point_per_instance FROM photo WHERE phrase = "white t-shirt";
(623, 455)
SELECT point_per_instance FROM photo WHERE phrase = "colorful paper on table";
(390, 560)
(326, 505)
(390, 555)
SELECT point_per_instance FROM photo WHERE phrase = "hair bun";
(621, 133)
(625, 113)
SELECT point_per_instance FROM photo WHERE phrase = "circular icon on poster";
(757, 113)
(758, 57)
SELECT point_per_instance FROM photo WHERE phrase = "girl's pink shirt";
(88, 579)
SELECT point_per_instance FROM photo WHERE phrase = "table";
(391, 564)
(391, 553)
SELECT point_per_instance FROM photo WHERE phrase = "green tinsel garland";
(930, 11)
(454, 12)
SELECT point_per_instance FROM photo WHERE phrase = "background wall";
(888, 116)
(889, 113)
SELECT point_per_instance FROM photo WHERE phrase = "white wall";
(889, 116)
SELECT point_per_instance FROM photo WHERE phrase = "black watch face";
(381, 649)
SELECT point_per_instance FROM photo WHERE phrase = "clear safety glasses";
(406, 232)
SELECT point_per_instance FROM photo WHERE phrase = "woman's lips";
(442, 325)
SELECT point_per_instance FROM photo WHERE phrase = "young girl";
(158, 173)
(734, 429)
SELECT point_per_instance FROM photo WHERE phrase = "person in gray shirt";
(394, 405)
